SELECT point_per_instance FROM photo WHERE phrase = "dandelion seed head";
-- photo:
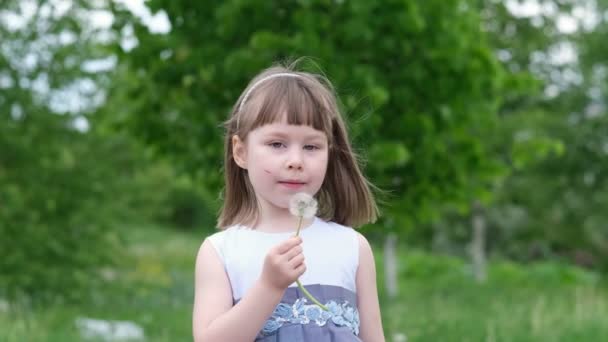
(303, 205)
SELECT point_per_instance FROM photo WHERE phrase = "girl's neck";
(281, 225)
(274, 219)
(279, 221)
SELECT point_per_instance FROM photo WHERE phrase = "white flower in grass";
(91, 328)
(303, 205)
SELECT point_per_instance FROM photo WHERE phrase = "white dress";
(331, 253)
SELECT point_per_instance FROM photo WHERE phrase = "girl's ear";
(239, 152)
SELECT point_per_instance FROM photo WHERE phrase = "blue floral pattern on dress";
(301, 313)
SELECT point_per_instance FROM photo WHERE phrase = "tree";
(563, 124)
(61, 184)
(420, 86)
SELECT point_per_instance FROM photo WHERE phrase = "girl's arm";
(214, 317)
(370, 329)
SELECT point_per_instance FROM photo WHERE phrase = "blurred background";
(484, 122)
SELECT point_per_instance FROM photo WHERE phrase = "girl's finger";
(292, 253)
(288, 244)
(300, 269)
(296, 261)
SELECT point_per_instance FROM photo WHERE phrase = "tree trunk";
(441, 241)
(478, 249)
(390, 265)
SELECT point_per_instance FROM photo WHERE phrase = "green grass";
(154, 290)
(438, 301)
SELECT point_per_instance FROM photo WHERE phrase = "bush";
(188, 209)
(59, 195)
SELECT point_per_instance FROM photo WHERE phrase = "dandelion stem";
(299, 226)
(302, 288)
(307, 294)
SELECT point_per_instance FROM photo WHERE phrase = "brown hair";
(345, 196)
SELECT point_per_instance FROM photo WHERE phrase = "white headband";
(286, 74)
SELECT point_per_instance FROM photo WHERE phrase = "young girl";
(285, 135)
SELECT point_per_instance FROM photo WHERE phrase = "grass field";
(437, 301)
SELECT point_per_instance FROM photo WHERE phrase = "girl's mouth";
(292, 185)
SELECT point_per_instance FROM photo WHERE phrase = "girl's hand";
(283, 264)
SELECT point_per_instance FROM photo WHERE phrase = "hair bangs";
(290, 100)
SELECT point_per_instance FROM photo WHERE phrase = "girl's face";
(282, 160)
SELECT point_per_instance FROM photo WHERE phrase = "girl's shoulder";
(337, 229)
(223, 232)
(338, 233)
(222, 237)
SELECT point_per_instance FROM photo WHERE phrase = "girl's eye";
(275, 144)
(311, 147)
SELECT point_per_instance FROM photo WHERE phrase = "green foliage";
(57, 204)
(557, 191)
(445, 269)
(188, 208)
(440, 301)
(418, 81)
(61, 188)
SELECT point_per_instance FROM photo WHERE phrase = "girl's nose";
(295, 166)
(295, 161)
